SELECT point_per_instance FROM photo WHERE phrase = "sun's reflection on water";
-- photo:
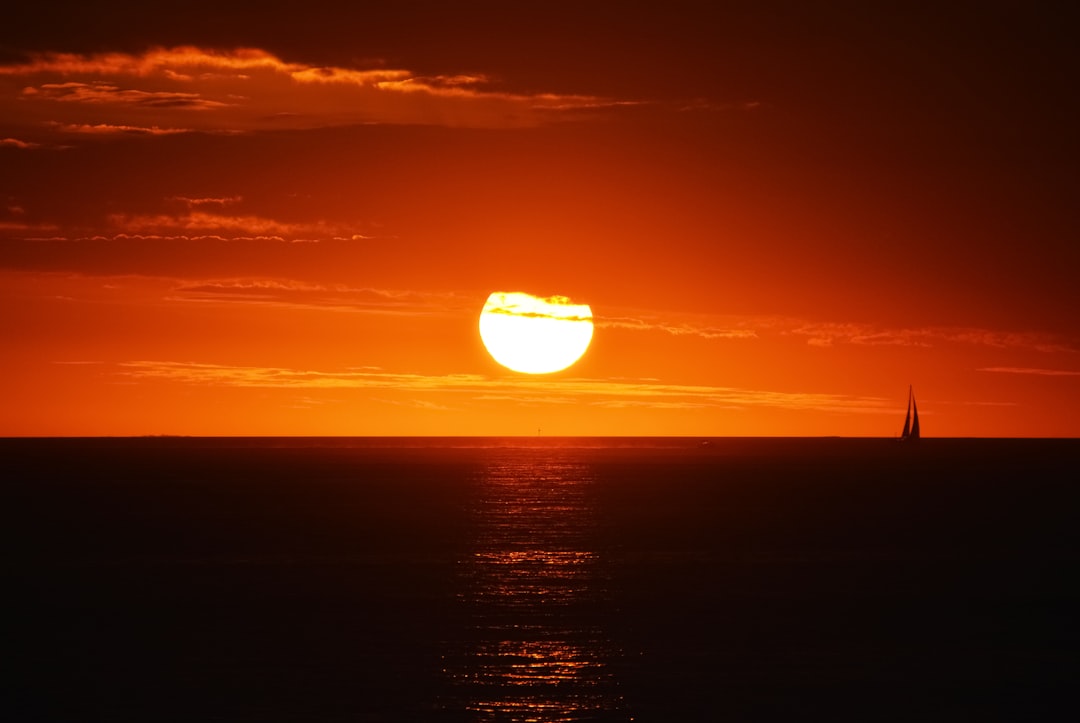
(536, 593)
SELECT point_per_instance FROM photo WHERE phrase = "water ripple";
(535, 595)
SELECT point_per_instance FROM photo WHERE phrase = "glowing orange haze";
(228, 241)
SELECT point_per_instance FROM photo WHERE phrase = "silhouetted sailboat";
(911, 421)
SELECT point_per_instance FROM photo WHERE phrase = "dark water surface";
(168, 579)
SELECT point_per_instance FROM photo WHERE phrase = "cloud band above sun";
(181, 89)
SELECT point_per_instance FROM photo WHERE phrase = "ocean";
(539, 579)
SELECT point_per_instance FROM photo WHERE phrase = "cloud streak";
(704, 331)
(1031, 371)
(16, 143)
(320, 297)
(824, 335)
(830, 334)
(255, 293)
(19, 226)
(602, 393)
(188, 88)
(221, 224)
(95, 93)
(103, 129)
(200, 202)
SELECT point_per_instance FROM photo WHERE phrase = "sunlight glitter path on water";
(535, 594)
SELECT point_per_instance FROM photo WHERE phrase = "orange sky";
(236, 223)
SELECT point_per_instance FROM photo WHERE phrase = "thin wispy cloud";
(246, 89)
(1032, 371)
(102, 129)
(256, 294)
(654, 404)
(478, 387)
(16, 143)
(826, 334)
(675, 328)
(25, 227)
(218, 202)
(1009, 340)
(309, 402)
(290, 294)
(201, 219)
(830, 334)
(213, 223)
(103, 93)
(157, 61)
(416, 404)
(526, 399)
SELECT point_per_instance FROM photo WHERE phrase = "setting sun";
(535, 335)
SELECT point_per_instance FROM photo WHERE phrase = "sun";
(535, 335)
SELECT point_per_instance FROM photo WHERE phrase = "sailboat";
(911, 421)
